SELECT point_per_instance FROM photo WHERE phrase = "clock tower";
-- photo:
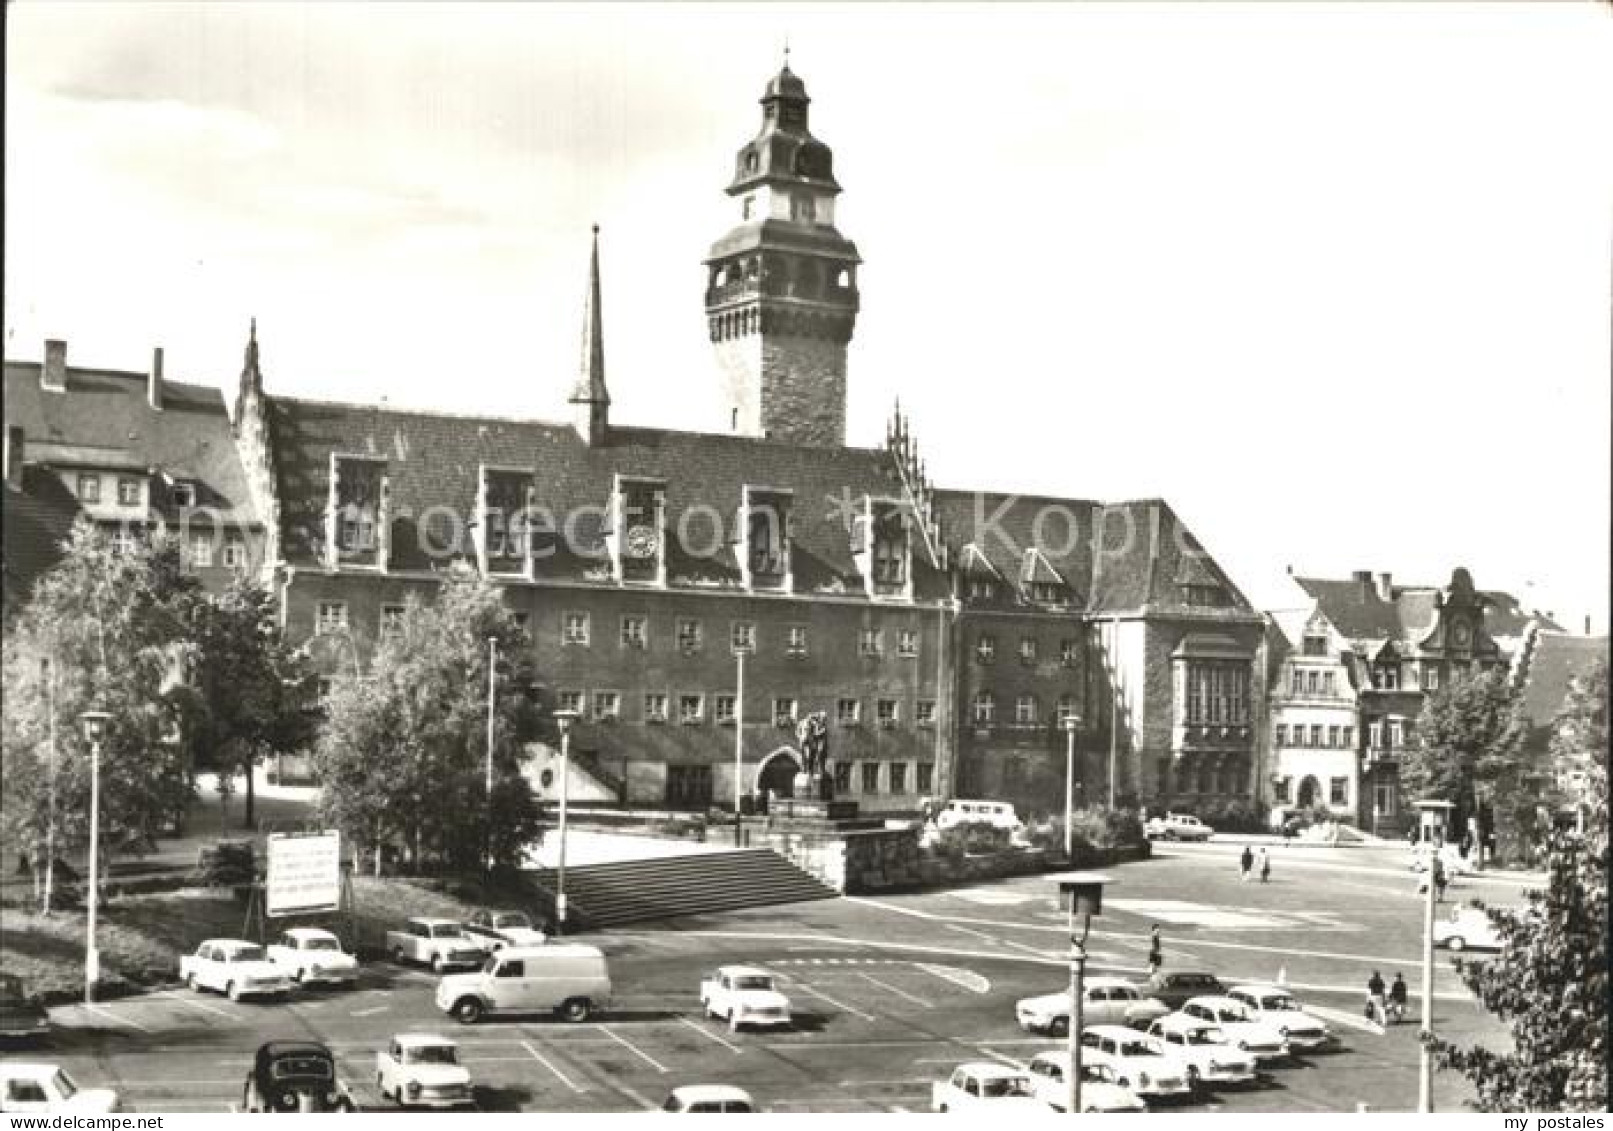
(781, 286)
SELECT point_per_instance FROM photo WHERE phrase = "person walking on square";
(1156, 951)
(1246, 863)
(1439, 880)
(1265, 867)
(1397, 998)
(1376, 1009)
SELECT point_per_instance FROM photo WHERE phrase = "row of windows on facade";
(606, 706)
(1313, 682)
(692, 785)
(1330, 738)
(199, 547)
(1027, 709)
(1030, 650)
(1217, 691)
(1388, 676)
(1338, 791)
(1208, 779)
(131, 490)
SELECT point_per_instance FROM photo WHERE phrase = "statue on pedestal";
(816, 779)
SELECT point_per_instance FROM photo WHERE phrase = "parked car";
(310, 954)
(1099, 1090)
(439, 943)
(709, 1099)
(1467, 927)
(1177, 826)
(1255, 1037)
(422, 1070)
(1174, 988)
(998, 814)
(492, 930)
(235, 967)
(743, 995)
(1104, 1001)
(295, 1076)
(1278, 1008)
(22, 1015)
(570, 980)
(987, 1088)
(1139, 1062)
(1210, 1056)
(27, 1088)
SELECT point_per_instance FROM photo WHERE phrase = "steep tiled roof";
(1354, 607)
(36, 520)
(1002, 527)
(433, 461)
(1554, 661)
(1149, 557)
(1505, 617)
(105, 420)
(1360, 613)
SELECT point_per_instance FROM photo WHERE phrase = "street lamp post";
(739, 738)
(1081, 894)
(94, 723)
(492, 675)
(50, 817)
(1433, 820)
(565, 719)
(1072, 723)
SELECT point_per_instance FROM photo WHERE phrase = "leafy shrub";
(970, 838)
(1091, 827)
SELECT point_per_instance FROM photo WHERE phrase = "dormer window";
(508, 502)
(884, 552)
(89, 488)
(982, 589)
(131, 492)
(183, 493)
(357, 529)
(637, 521)
(356, 518)
(766, 516)
(1315, 644)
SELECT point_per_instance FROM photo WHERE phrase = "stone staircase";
(630, 891)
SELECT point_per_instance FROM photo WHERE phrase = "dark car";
(1174, 988)
(295, 1076)
(21, 1014)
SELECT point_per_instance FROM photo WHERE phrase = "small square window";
(1027, 650)
(569, 701)
(795, 641)
(332, 616)
(234, 550)
(1279, 734)
(724, 709)
(129, 491)
(981, 589)
(1025, 710)
(907, 644)
(633, 632)
(89, 488)
(575, 629)
(842, 777)
(1067, 709)
(655, 707)
(870, 781)
(199, 548)
(607, 706)
(898, 777)
(1282, 789)
(392, 620)
(1431, 678)
(183, 493)
(124, 541)
(924, 712)
(1333, 737)
(926, 778)
(1316, 734)
(784, 713)
(1349, 738)
(985, 708)
(885, 712)
(742, 636)
(1069, 653)
(848, 712)
(691, 709)
(986, 649)
(1338, 791)
(868, 643)
(689, 635)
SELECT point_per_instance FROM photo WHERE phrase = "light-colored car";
(986, 1087)
(1099, 1090)
(1208, 1053)
(27, 1088)
(439, 943)
(1177, 826)
(1278, 1008)
(709, 1099)
(1467, 927)
(998, 814)
(743, 995)
(570, 980)
(235, 967)
(309, 954)
(1104, 1001)
(422, 1070)
(494, 930)
(1255, 1037)
(1140, 1063)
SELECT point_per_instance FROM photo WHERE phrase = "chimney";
(54, 375)
(1386, 589)
(1587, 625)
(15, 444)
(154, 380)
(1363, 581)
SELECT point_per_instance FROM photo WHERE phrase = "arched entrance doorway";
(777, 772)
(1309, 787)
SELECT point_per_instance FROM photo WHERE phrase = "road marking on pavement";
(1340, 1017)
(371, 1012)
(635, 1050)
(995, 1055)
(541, 1059)
(804, 988)
(914, 998)
(639, 1098)
(709, 1035)
(101, 1011)
(202, 1005)
(971, 931)
(968, 979)
(996, 898)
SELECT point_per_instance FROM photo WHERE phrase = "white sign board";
(305, 873)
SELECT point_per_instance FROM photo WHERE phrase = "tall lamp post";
(1433, 816)
(566, 719)
(1071, 724)
(492, 676)
(94, 723)
(739, 738)
(1081, 894)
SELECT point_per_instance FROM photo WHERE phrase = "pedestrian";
(1376, 1010)
(1156, 951)
(1439, 880)
(1397, 997)
(1246, 863)
(1265, 867)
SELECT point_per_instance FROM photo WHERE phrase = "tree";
(252, 690)
(402, 754)
(1469, 749)
(104, 630)
(1550, 981)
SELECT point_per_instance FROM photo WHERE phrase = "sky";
(1333, 280)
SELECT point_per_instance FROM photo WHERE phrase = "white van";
(999, 814)
(568, 979)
